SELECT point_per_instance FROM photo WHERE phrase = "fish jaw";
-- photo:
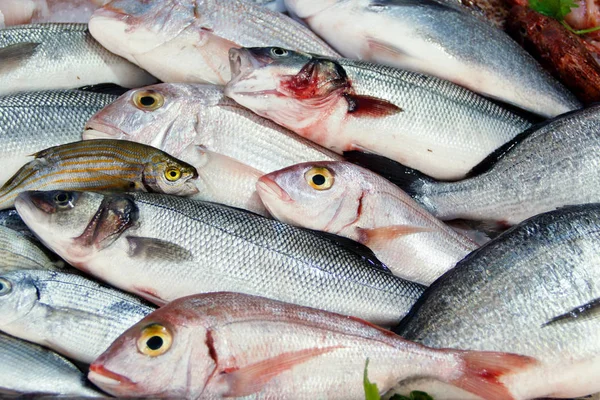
(110, 382)
(274, 198)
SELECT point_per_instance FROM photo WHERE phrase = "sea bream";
(165, 247)
(437, 127)
(188, 40)
(440, 39)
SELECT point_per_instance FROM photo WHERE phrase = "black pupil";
(154, 343)
(278, 51)
(1, 286)
(173, 174)
(147, 101)
(61, 198)
(318, 179)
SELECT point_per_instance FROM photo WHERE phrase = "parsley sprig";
(558, 9)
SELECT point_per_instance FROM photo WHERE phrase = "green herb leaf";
(557, 9)
(399, 397)
(371, 391)
(417, 395)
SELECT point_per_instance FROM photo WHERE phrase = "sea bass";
(109, 165)
(439, 39)
(173, 116)
(533, 290)
(189, 40)
(18, 251)
(423, 122)
(350, 201)
(165, 247)
(33, 121)
(547, 167)
(60, 56)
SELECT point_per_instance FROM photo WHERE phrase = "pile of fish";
(257, 199)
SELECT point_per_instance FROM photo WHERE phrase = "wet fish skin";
(60, 56)
(439, 128)
(275, 5)
(10, 219)
(67, 312)
(164, 36)
(422, 36)
(18, 251)
(517, 293)
(29, 368)
(109, 165)
(358, 204)
(173, 247)
(201, 114)
(33, 121)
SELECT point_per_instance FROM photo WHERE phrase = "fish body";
(10, 219)
(18, 251)
(347, 200)
(224, 345)
(178, 115)
(168, 247)
(60, 56)
(29, 368)
(109, 165)
(33, 121)
(438, 39)
(68, 313)
(275, 5)
(533, 290)
(189, 40)
(434, 126)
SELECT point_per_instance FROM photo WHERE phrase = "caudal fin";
(483, 370)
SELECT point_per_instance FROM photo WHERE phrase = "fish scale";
(18, 251)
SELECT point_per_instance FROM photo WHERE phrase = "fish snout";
(265, 186)
(33, 200)
(105, 378)
(241, 62)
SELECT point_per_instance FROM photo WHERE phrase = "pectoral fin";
(157, 249)
(12, 56)
(587, 311)
(367, 106)
(381, 237)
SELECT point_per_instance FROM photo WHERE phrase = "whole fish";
(18, 251)
(173, 116)
(29, 368)
(110, 165)
(60, 56)
(224, 345)
(33, 121)
(68, 313)
(189, 40)
(533, 290)
(172, 247)
(547, 167)
(438, 39)
(350, 201)
(423, 122)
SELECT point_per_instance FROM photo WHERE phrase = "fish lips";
(109, 380)
(242, 62)
(268, 187)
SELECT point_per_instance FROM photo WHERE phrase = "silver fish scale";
(18, 251)
(499, 297)
(273, 259)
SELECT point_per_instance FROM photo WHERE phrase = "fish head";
(166, 174)
(304, 9)
(18, 296)
(317, 195)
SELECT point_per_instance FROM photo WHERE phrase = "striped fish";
(102, 165)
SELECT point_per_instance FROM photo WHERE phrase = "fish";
(172, 247)
(423, 122)
(110, 165)
(188, 40)
(224, 345)
(10, 219)
(546, 167)
(33, 121)
(275, 5)
(18, 251)
(29, 368)
(66, 312)
(438, 39)
(19, 12)
(350, 201)
(533, 290)
(177, 115)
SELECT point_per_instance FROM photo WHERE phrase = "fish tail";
(483, 370)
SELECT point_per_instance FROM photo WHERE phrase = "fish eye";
(154, 340)
(5, 287)
(279, 52)
(63, 200)
(148, 100)
(319, 178)
(172, 174)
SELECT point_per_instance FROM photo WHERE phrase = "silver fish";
(173, 247)
(68, 313)
(534, 290)
(18, 251)
(60, 56)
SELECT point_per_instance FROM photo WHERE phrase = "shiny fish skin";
(68, 313)
(433, 38)
(18, 251)
(33, 121)
(275, 5)
(201, 114)
(10, 219)
(29, 368)
(504, 295)
(109, 165)
(60, 56)
(189, 40)
(172, 247)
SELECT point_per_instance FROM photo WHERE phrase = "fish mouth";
(242, 62)
(100, 130)
(104, 377)
(267, 186)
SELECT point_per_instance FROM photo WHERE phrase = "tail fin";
(408, 179)
(482, 371)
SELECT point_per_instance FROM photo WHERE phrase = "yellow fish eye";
(172, 174)
(319, 178)
(148, 100)
(154, 340)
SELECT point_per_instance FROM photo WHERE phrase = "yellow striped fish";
(102, 165)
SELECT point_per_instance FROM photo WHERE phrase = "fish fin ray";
(146, 247)
(11, 56)
(586, 311)
(368, 106)
(380, 237)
